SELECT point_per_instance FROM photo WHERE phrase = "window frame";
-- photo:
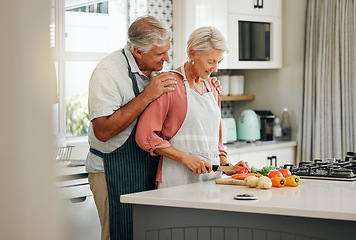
(61, 57)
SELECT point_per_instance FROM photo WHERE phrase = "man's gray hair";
(146, 32)
(206, 38)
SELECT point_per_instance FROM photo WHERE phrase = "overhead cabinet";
(256, 7)
(189, 15)
(254, 34)
(253, 30)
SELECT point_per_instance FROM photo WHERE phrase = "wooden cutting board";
(230, 181)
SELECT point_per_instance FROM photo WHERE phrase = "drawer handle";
(78, 199)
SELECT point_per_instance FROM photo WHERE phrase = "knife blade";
(227, 168)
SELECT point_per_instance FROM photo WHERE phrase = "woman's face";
(207, 62)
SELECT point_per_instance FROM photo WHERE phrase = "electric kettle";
(248, 126)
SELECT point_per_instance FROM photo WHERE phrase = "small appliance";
(248, 127)
(266, 119)
(228, 126)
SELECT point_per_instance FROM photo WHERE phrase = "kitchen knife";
(227, 168)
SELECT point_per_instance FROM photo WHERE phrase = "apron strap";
(97, 153)
(136, 91)
(132, 76)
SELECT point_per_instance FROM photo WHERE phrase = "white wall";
(27, 90)
(276, 89)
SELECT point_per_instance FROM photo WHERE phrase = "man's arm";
(108, 126)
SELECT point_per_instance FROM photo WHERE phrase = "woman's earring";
(192, 62)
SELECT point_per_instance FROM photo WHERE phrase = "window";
(82, 32)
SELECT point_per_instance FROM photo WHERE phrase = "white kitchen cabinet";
(267, 43)
(260, 156)
(78, 206)
(225, 15)
(256, 7)
(189, 15)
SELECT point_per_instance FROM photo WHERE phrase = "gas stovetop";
(330, 169)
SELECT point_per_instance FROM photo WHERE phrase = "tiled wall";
(227, 110)
(161, 9)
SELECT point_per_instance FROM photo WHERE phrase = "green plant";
(77, 119)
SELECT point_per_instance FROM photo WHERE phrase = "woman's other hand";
(217, 84)
(243, 163)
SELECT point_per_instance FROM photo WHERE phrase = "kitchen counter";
(78, 205)
(71, 173)
(309, 206)
(243, 147)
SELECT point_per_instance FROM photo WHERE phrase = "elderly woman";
(184, 126)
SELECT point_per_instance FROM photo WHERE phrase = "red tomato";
(275, 173)
(243, 171)
(285, 172)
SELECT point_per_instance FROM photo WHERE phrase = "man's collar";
(132, 61)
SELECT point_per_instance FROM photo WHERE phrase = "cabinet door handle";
(258, 5)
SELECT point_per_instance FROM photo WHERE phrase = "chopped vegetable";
(264, 182)
(264, 171)
(242, 176)
(254, 169)
(278, 181)
(251, 181)
(293, 181)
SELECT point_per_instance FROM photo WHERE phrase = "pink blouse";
(163, 117)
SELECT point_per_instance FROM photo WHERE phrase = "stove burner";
(334, 169)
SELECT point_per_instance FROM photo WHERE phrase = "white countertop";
(65, 169)
(243, 147)
(70, 175)
(312, 198)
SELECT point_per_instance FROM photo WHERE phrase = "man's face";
(154, 59)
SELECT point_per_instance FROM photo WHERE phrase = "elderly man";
(121, 87)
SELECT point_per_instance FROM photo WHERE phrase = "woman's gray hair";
(206, 38)
(146, 32)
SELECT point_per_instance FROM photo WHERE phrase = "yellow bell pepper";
(292, 181)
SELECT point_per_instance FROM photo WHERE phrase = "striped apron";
(128, 169)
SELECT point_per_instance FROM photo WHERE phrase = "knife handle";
(215, 167)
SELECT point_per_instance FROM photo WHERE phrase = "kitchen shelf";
(237, 98)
